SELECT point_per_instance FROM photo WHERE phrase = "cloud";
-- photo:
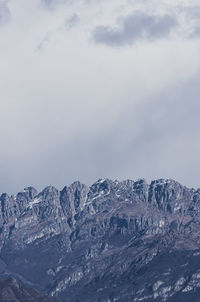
(135, 27)
(4, 13)
(77, 111)
(72, 21)
(192, 12)
(44, 41)
(195, 32)
(193, 18)
(52, 4)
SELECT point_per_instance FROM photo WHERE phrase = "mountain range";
(113, 241)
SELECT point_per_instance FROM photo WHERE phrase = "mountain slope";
(11, 291)
(114, 241)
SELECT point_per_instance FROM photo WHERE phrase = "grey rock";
(113, 241)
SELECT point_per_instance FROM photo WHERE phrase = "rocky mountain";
(114, 241)
(12, 291)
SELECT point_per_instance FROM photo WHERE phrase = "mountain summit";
(113, 241)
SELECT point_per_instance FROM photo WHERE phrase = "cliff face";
(114, 241)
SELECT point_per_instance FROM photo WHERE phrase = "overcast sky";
(97, 88)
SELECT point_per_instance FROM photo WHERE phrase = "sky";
(99, 89)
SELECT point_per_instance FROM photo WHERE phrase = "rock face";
(114, 241)
(11, 291)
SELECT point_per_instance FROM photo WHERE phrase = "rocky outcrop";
(73, 199)
(112, 241)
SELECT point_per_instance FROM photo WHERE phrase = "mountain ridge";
(89, 243)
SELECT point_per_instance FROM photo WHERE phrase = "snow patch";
(161, 223)
(35, 201)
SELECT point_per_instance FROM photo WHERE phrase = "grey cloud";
(167, 145)
(68, 114)
(44, 41)
(135, 27)
(195, 33)
(72, 21)
(192, 12)
(51, 4)
(4, 13)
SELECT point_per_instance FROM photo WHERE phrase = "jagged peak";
(49, 189)
(102, 184)
(49, 192)
(4, 196)
(101, 180)
(77, 183)
(32, 192)
(165, 181)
